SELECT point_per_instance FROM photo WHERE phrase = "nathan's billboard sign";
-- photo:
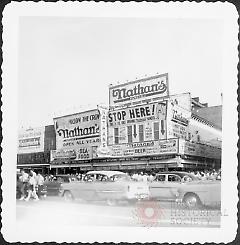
(141, 113)
(139, 91)
(78, 130)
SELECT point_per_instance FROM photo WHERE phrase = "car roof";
(173, 172)
(105, 172)
(180, 173)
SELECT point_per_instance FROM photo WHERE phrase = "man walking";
(24, 180)
(39, 182)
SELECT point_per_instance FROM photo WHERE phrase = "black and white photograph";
(119, 122)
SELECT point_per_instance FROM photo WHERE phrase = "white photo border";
(224, 11)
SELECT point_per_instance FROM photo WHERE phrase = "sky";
(65, 64)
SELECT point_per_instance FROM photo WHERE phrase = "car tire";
(191, 200)
(68, 196)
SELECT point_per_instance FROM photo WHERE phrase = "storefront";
(34, 146)
(80, 138)
(143, 128)
(144, 121)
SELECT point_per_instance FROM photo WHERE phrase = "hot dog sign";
(139, 90)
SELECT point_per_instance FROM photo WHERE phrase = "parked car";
(109, 186)
(53, 185)
(186, 188)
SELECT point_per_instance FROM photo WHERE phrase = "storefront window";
(116, 135)
(141, 137)
(198, 138)
(130, 138)
(156, 130)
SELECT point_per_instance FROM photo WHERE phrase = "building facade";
(150, 129)
(34, 147)
(143, 128)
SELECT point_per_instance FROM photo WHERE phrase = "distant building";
(34, 146)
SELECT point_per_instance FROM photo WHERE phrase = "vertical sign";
(148, 131)
(103, 149)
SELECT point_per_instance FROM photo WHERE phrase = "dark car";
(54, 184)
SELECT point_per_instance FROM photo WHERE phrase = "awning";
(33, 165)
(164, 161)
(105, 164)
(67, 165)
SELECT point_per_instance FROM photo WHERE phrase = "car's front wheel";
(191, 200)
(68, 196)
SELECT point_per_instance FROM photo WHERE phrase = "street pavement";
(54, 211)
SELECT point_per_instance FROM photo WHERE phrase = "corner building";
(150, 129)
(143, 128)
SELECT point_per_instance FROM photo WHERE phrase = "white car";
(110, 186)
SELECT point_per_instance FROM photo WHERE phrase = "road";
(53, 210)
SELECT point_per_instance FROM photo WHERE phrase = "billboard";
(139, 91)
(141, 113)
(145, 148)
(31, 140)
(201, 150)
(82, 153)
(78, 132)
(178, 115)
(183, 100)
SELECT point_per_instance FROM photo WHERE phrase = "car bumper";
(138, 196)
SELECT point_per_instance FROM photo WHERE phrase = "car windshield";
(190, 177)
(160, 177)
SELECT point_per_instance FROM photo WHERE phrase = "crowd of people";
(30, 185)
(149, 176)
(203, 175)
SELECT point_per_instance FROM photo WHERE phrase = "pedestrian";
(150, 177)
(39, 183)
(24, 182)
(144, 177)
(33, 173)
(32, 188)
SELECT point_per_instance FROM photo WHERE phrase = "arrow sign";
(134, 130)
(162, 127)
